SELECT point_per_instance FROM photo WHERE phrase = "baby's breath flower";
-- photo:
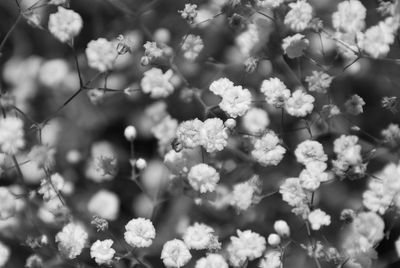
(300, 104)
(319, 81)
(203, 178)
(212, 261)
(104, 204)
(271, 259)
(318, 218)
(255, 121)
(5, 254)
(310, 151)
(51, 187)
(175, 253)
(350, 16)
(8, 205)
(65, 24)
(299, 16)
(101, 54)
(198, 236)
(189, 13)
(275, 91)
(220, 86)
(236, 101)
(294, 45)
(267, 150)
(192, 46)
(71, 240)
(139, 233)
(11, 135)
(354, 105)
(157, 83)
(102, 252)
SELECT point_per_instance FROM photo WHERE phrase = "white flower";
(313, 175)
(71, 240)
(370, 225)
(53, 72)
(275, 91)
(243, 193)
(274, 240)
(294, 45)
(350, 16)
(101, 54)
(50, 188)
(8, 204)
(269, 3)
(11, 135)
(299, 104)
(271, 259)
(235, 101)
(347, 149)
(212, 261)
(152, 51)
(247, 245)
(175, 253)
(192, 46)
(309, 151)
(157, 83)
(165, 130)
(102, 252)
(65, 24)
(220, 86)
(4, 254)
(203, 178)
(130, 133)
(318, 218)
(189, 13)
(104, 204)
(299, 15)
(319, 81)
(198, 236)
(247, 40)
(213, 135)
(140, 164)
(282, 228)
(396, 245)
(267, 150)
(139, 233)
(292, 192)
(354, 105)
(188, 133)
(255, 121)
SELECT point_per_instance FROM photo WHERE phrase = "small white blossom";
(198, 236)
(267, 150)
(102, 252)
(8, 204)
(130, 133)
(354, 105)
(157, 83)
(71, 240)
(294, 45)
(274, 240)
(275, 91)
(282, 228)
(192, 46)
(213, 135)
(309, 151)
(235, 101)
(50, 187)
(139, 233)
(269, 3)
(319, 81)
(271, 259)
(299, 15)
(188, 133)
(212, 261)
(220, 86)
(247, 245)
(11, 135)
(5, 253)
(350, 16)
(104, 204)
(203, 178)
(318, 218)
(175, 253)
(65, 24)
(255, 121)
(101, 54)
(300, 104)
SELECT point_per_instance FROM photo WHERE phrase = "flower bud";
(274, 240)
(130, 133)
(141, 164)
(282, 228)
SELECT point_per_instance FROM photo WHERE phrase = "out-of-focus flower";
(350, 16)
(71, 240)
(319, 81)
(354, 105)
(269, 3)
(189, 13)
(5, 253)
(274, 240)
(309, 151)
(65, 24)
(104, 204)
(192, 46)
(255, 121)
(50, 187)
(8, 205)
(390, 103)
(130, 133)
(213, 135)
(271, 259)
(175, 253)
(101, 54)
(236, 101)
(11, 135)
(282, 228)
(211, 261)
(34, 261)
(294, 45)
(53, 72)
(102, 252)
(139, 233)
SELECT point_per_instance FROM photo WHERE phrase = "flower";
(294, 45)
(318, 218)
(211, 261)
(50, 187)
(65, 24)
(319, 81)
(309, 151)
(247, 245)
(247, 40)
(255, 121)
(188, 133)
(8, 204)
(71, 240)
(271, 259)
(313, 175)
(104, 204)
(235, 101)
(11, 135)
(101, 54)
(282, 228)
(198, 236)
(300, 104)
(354, 105)
(267, 150)
(299, 15)
(102, 252)
(269, 3)
(139, 233)
(350, 16)
(274, 240)
(192, 46)
(175, 253)
(130, 133)
(189, 13)
(157, 83)
(203, 178)
(275, 91)
(213, 135)
(53, 72)
(220, 86)
(5, 253)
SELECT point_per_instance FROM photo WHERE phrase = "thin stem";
(8, 34)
